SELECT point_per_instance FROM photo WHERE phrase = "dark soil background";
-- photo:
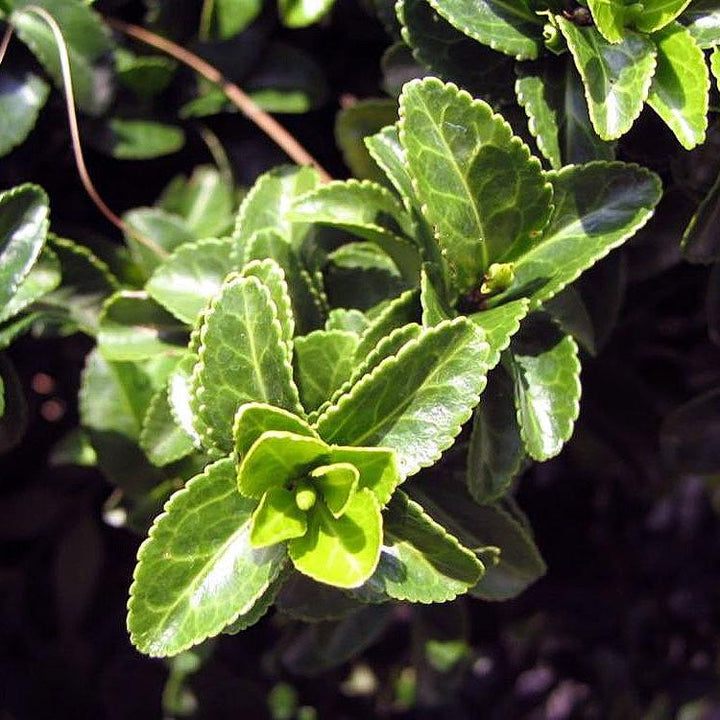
(626, 623)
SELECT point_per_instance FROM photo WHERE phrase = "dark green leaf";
(14, 412)
(22, 95)
(702, 19)
(143, 139)
(42, 278)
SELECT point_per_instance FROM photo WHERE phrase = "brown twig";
(5, 42)
(75, 133)
(247, 107)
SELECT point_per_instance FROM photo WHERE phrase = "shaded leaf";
(22, 96)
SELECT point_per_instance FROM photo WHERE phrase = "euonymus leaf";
(254, 419)
(185, 282)
(22, 96)
(496, 449)
(341, 551)
(299, 13)
(415, 402)
(470, 173)
(597, 207)
(510, 26)
(143, 139)
(197, 571)
(398, 312)
(700, 242)
(162, 438)
(616, 77)
(242, 359)
(260, 608)
(323, 362)
(233, 16)
(702, 19)
(546, 373)
(553, 97)
(277, 518)
(14, 416)
(134, 327)
(337, 484)
(377, 467)
(609, 17)
(304, 599)
(349, 320)
(145, 75)
(179, 395)
(499, 325)
(679, 90)
(656, 14)
(42, 279)
(23, 227)
(419, 561)
(434, 307)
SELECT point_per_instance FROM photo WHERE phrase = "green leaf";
(162, 438)
(254, 419)
(367, 210)
(42, 279)
(656, 14)
(610, 17)
(145, 75)
(134, 327)
(198, 572)
(205, 201)
(233, 16)
(496, 451)
(143, 139)
(435, 308)
(420, 561)
(300, 13)
(700, 239)
(261, 606)
(186, 281)
(306, 302)
(242, 359)
(679, 90)
(470, 173)
(87, 40)
(22, 96)
(74, 448)
(323, 360)
(355, 123)
(402, 310)
(267, 204)
(499, 325)
(277, 457)
(597, 207)
(23, 227)
(303, 599)
(14, 415)
(702, 19)
(509, 26)
(343, 551)
(378, 469)
(277, 518)
(348, 320)
(552, 96)
(484, 527)
(616, 77)
(337, 484)
(415, 402)
(546, 374)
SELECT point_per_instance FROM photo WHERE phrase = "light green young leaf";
(43, 277)
(545, 369)
(679, 90)
(323, 361)
(134, 327)
(277, 518)
(378, 469)
(254, 419)
(616, 77)
(415, 402)
(702, 19)
(197, 571)
(23, 227)
(656, 14)
(194, 273)
(509, 26)
(143, 139)
(610, 17)
(597, 207)
(349, 320)
(277, 457)
(482, 190)
(343, 551)
(337, 484)
(499, 325)
(242, 359)
(22, 96)
(300, 13)
(496, 450)
(419, 561)
(162, 438)
(233, 16)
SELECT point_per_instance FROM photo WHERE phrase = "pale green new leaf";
(190, 277)
(22, 96)
(545, 368)
(482, 190)
(233, 16)
(162, 438)
(609, 17)
(679, 90)
(416, 401)
(509, 26)
(323, 361)
(242, 359)
(254, 419)
(300, 13)
(343, 551)
(350, 320)
(277, 518)
(197, 571)
(616, 76)
(378, 469)
(337, 484)
(656, 14)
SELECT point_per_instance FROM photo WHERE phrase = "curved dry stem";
(242, 102)
(75, 132)
(5, 42)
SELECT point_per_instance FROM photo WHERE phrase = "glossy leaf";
(415, 402)
(610, 17)
(162, 438)
(470, 172)
(299, 13)
(509, 26)
(617, 76)
(242, 359)
(398, 312)
(377, 467)
(546, 374)
(343, 551)
(337, 484)
(42, 279)
(22, 96)
(277, 518)
(656, 14)
(679, 90)
(702, 19)
(499, 325)
(198, 572)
